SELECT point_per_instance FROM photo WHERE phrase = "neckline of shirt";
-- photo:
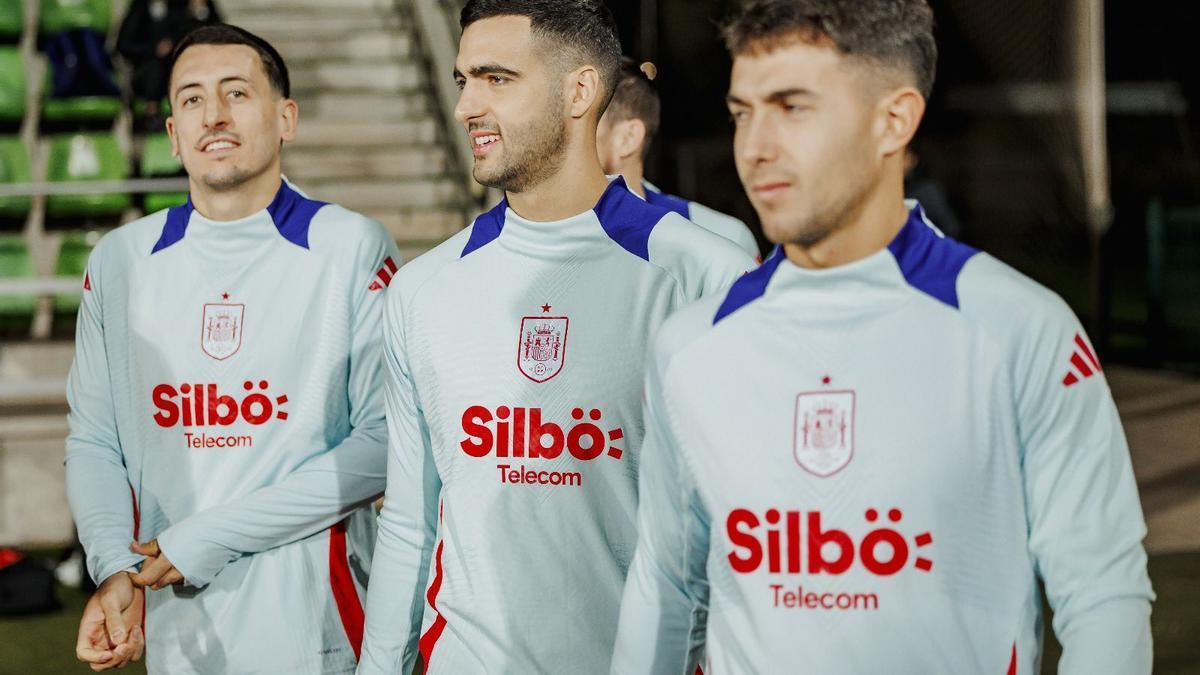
(565, 234)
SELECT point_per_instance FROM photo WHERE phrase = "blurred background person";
(148, 35)
(623, 141)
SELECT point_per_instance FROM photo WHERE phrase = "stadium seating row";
(55, 111)
(55, 16)
(86, 157)
(17, 310)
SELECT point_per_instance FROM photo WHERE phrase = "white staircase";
(370, 137)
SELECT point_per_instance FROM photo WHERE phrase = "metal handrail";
(438, 25)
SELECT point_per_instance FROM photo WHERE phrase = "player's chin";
(487, 172)
(781, 230)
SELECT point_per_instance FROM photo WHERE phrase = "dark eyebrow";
(784, 94)
(231, 78)
(484, 69)
(774, 98)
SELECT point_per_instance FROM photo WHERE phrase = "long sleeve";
(98, 487)
(408, 523)
(664, 607)
(1085, 520)
(324, 489)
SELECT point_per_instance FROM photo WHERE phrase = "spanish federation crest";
(824, 431)
(542, 347)
(221, 330)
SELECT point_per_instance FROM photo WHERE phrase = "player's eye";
(738, 117)
(237, 93)
(191, 100)
(497, 79)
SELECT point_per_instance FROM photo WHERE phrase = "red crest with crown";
(542, 346)
(823, 441)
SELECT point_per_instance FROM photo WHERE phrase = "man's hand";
(110, 631)
(157, 572)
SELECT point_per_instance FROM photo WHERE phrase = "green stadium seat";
(139, 108)
(14, 168)
(72, 262)
(157, 162)
(12, 20)
(16, 311)
(12, 85)
(59, 15)
(82, 157)
(77, 109)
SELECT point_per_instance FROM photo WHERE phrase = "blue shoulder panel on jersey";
(751, 286)
(628, 220)
(670, 202)
(176, 225)
(930, 261)
(486, 228)
(292, 214)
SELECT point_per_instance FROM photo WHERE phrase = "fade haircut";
(883, 33)
(578, 32)
(636, 99)
(225, 34)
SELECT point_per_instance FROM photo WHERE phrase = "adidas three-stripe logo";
(384, 275)
(1084, 363)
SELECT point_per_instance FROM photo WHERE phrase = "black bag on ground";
(26, 585)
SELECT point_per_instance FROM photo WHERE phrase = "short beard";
(819, 226)
(535, 152)
(226, 181)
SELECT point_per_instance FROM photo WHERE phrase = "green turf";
(46, 644)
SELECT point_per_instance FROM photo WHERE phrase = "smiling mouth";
(481, 144)
(218, 145)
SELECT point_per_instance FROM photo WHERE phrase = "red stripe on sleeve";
(345, 595)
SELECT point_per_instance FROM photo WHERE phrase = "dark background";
(1011, 176)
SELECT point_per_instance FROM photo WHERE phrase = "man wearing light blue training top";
(865, 456)
(226, 398)
(515, 353)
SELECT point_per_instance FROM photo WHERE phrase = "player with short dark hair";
(227, 378)
(868, 455)
(515, 353)
(623, 141)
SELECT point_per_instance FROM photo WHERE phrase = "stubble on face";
(534, 150)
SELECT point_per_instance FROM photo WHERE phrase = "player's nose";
(216, 112)
(470, 105)
(756, 141)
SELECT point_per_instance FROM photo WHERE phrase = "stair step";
(326, 133)
(235, 7)
(317, 26)
(412, 251)
(384, 163)
(357, 76)
(355, 107)
(373, 45)
(422, 226)
(413, 193)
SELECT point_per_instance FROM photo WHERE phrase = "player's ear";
(171, 135)
(585, 91)
(630, 136)
(900, 111)
(290, 113)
